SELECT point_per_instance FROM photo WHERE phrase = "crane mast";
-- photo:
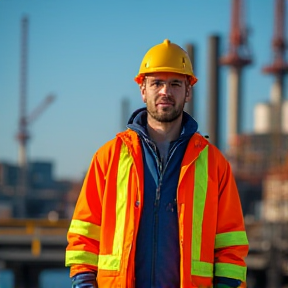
(237, 57)
(25, 119)
(23, 135)
(279, 66)
(238, 51)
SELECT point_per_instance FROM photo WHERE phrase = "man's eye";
(157, 84)
(176, 84)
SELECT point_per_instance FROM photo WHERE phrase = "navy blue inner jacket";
(157, 262)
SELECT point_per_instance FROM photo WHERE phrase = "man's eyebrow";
(156, 79)
(173, 80)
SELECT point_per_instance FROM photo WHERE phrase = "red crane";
(238, 51)
(279, 67)
(24, 119)
(238, 56)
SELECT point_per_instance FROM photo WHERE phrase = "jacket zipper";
(161, 170)
(156, 220)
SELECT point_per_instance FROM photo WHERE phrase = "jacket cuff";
(81, 268)
(84, 280)
(224, 282)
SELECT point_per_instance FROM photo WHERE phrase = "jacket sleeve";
(231, 244)
(84, 232)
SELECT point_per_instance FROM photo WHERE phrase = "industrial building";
(33, 223)
(260, 159)
(41, 194)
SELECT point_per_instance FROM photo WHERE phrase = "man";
(159, 207)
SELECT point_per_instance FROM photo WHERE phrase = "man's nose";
(165, 89)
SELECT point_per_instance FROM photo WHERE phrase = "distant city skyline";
(87, 56)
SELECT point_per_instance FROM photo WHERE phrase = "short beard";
(166, 118)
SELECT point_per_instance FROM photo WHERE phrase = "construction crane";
(237, 57)
(24, 119)
(279, 66)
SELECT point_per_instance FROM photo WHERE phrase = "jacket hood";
(138, 123)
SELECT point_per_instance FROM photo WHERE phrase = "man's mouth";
(164, 104)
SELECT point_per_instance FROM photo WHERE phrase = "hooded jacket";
(103, 232)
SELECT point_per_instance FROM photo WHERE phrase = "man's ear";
(142, 91)
(188, 95)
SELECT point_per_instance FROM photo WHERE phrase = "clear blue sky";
(88, 52)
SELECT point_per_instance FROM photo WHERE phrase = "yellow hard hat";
(166, 57)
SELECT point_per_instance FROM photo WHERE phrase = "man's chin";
(165, 117)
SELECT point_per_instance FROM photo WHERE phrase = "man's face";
(165, 95)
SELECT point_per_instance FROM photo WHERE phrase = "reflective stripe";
(80, 257)
(231, 239)
(112, 262)
(201, 268)
(231, 271)
(199, 198)
(109, 262)
(83, 228)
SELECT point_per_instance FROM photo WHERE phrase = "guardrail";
(33, 239)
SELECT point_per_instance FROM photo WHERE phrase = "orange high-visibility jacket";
(102, 234)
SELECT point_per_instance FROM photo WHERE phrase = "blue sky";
(87, 54)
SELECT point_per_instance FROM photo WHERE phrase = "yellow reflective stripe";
(203, 269)
(112, 262)
(125, 163)
(199, 199)
(85, 229)
(231, 239)
(231, 271)
(80, 257)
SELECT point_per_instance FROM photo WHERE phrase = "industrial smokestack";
(190, 106)
(235, 114)
(125, 112)
(213, 90)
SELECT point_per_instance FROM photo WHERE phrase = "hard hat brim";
(140, 78)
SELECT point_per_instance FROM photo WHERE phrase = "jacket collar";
(138, 123)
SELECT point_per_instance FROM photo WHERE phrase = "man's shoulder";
(127, 137)
(107, 146)
(203, 141)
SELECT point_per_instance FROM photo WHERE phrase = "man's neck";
(161, 132)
